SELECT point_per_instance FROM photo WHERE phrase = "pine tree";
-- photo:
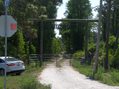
(77, 9)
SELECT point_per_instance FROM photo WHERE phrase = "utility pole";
(95, 66)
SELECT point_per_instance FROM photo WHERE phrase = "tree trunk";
(95, 66)
(115, 24)
(108, 23)
(86, 45)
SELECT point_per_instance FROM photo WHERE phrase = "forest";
(77, 38)
(27, 39)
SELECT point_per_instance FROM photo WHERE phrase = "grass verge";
(110, 78)
(25, 81)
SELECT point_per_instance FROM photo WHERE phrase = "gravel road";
(66, 77)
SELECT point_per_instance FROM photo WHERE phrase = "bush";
(112, 42)
(91, 47)
(84, 69)
(99, 74)
(115, 61)
(111, 77)
(78, 55)
(115, 77)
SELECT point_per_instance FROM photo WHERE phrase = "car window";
(2, 61)
(11, 59)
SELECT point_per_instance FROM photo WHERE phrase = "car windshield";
(11, 59)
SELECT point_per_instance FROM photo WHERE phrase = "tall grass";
(84, 69)
(111, 77)
(25, 81)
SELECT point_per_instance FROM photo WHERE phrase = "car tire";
(2, 72)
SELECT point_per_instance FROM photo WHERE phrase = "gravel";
(66, 77)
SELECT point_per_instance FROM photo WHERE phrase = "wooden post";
(86, 43)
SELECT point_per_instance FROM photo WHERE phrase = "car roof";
(3, 57)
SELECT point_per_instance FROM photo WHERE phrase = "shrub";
(111, 77)
(115, 77)
(78, 55)
(84, 69)
(112, 42)
(99, 75)
(115, 61)
(91, 47)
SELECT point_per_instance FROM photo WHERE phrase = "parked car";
(13, 65)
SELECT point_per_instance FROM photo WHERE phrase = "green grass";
(111, 77)
(84, 69)
(25, 81)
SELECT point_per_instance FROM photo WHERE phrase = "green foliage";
(102, 54)
(33, 49)
(77, 55)
(84, 69)
(21, 43)
(91, 47)
(98, 75)
(115, 77)
(56, 46)
(25, 81)
(115, 60)
(75, 31)
(112, 42)
(48, 32)
(28, 9)
(110, 29)
(110, 77)
(66, 36)
(16, 44)
(32, 84)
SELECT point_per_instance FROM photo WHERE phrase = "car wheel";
(2, 71)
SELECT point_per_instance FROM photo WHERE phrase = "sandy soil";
(66, 77)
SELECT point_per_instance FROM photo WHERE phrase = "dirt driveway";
(66, 77)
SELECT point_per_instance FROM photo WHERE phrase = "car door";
(2, 64)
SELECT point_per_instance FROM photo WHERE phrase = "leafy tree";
(66, 36)
(20, 44)
(28, 9)
(110, 26)
(48, 32)
(80, 9)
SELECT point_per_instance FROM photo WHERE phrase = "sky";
(62, 9)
